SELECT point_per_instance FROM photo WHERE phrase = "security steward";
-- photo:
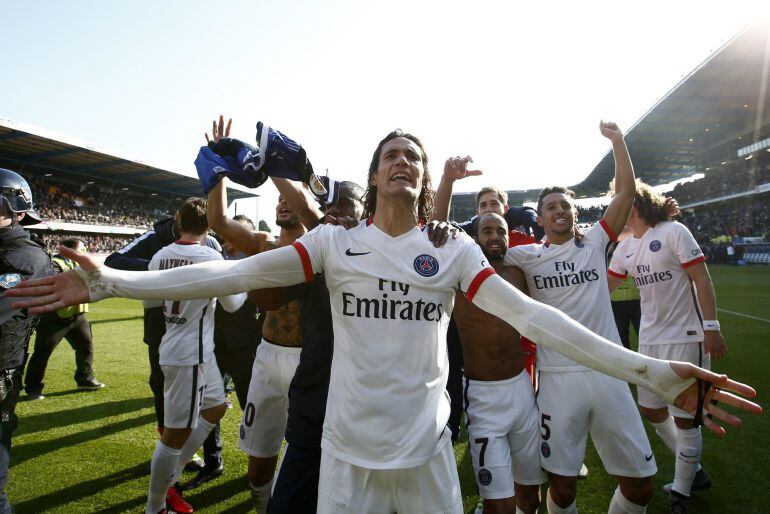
(68, 323)
(20, 259)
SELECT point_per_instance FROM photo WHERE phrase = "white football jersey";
(657, 263)
(391, 300)
(573, 278)
(189, 337)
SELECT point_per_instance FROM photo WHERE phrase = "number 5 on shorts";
(546, 433)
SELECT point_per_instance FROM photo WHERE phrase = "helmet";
(16, 194)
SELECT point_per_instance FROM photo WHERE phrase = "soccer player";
(385, 447)
(193, 391)
(264, 416)
(679, 321)
(501, 415)
(574, 400)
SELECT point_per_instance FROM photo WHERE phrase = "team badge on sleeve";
(655, 246)
(426, 265)
(11, 280)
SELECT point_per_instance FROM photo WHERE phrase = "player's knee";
(654, 415)
(684, 423)
(563, 490)
(261, 470)
(528, 503)
(175, 437)
(637, 490)
(214, 414)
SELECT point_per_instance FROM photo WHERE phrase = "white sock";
(519, 511)
(164, 464)
(555, 509)
(689, 445)
(260, 494)
(198, 435)
(622, 505)
(666, 430)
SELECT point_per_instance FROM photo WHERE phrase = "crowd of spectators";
(731, 220)
(97, 205)
(737, 178)
(95, 243)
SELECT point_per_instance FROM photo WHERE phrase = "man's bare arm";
(237, 234)
(300, 201)
(617, 212)
(455, 168)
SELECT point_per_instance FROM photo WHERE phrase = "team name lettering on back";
(645, 276)
(565, 276)
(173, 263)
(394, 303)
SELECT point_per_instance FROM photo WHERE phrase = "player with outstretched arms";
(385, 446)
(193, 391)
(678, 322)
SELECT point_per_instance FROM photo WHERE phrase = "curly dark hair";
(425, 200)
(650, 205)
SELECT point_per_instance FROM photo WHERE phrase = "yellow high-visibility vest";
(68, 312)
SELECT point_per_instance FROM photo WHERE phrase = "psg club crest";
(655, 246)
(485, 476)
(426, 265)
(11, 280)
(545, 450)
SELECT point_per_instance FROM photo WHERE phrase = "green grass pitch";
(86, 451)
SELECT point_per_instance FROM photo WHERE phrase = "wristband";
(711, 325)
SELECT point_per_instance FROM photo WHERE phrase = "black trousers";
(454, 385)
(627, 313)
(296, 487)
(8, 423)
(50, 331)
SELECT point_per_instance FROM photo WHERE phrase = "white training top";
(391, 300)
(657, 262)
(573, 278)
(189, 337)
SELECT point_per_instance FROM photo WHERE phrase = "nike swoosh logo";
(648, 459)
(629, 255)
(353, 254)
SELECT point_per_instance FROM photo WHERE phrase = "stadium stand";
(715, 122)
(91, 193)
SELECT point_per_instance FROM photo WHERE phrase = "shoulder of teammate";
(472, 265)
(313, 246)
(136, 255)
(683, 243)
(617, 266)
(520, 254)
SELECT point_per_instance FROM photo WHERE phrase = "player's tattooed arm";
(455, 168)
(713, 341)
(617, 212)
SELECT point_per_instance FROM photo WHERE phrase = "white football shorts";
(684, 352)
(187, 390)
(575, 403)
(264, 417)
(431, 488)
(503, 435)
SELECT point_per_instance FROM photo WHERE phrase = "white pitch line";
(744, 315)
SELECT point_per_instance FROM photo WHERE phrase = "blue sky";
(520, 87)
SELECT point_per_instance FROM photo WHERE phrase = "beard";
(292, 222)
(494, 256)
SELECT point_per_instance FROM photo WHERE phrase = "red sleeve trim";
(616, 274)
(307, 266)
(477, 281)
(693, 262)
(607, 229)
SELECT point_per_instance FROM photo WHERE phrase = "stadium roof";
(703, 119)
(28, 149)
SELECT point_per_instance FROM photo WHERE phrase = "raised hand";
(672, 207)
(720, 385)
(219, 131)
(610, 130)
(57, 291)
(456, 168)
